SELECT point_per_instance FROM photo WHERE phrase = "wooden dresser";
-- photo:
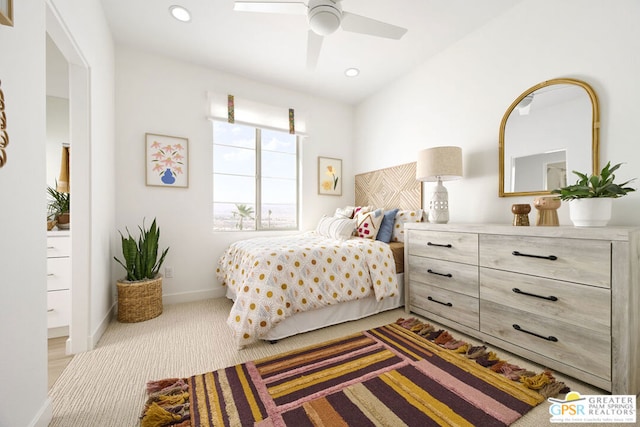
(565, 297)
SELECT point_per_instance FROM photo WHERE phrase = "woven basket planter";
(139, 301)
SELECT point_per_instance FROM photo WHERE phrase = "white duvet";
(276, 277)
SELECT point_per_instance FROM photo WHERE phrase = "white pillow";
(346, 212)
(401, 217)
(335, 228)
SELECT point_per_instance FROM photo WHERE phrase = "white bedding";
(277, 277)
(332, 314)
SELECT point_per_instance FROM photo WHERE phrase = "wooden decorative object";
(394, 187)
(547, 210)
(4, 136)
(521, 214)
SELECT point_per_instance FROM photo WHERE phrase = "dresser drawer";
(461, 278)
(451, 305)
(449, 246)
(58, 246)
(58, 273)
(580, 261)
(58, 308)
(579, 305)
(578, 347)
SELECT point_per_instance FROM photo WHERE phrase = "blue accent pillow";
(386, 227)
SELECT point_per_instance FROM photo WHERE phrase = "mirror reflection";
(547, 132)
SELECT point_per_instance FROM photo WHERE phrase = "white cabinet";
(58, 282)
(564, 297)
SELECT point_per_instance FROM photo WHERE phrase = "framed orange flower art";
(329, 176)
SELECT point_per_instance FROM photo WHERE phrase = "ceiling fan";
(324, 17)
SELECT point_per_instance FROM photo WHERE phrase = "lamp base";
(439, 204)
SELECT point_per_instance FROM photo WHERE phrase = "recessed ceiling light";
(351, 72)
(180, 13)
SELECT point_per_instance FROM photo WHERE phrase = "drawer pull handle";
(51, 247)
(439, 274)
(550, 298)
(550, 257)
(448, 304)
(549, 338)
(50, 310)
(439, 245)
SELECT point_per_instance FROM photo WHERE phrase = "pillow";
(402, 217)
(335, 228)
(386, 227)
(368, 223)
(345, 212)
(362, 209)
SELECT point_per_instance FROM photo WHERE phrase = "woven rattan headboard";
(394, 187)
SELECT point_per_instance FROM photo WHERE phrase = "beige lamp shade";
(444, 163)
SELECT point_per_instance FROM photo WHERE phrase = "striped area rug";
(393, 375)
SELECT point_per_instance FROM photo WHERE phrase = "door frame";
(80, 179)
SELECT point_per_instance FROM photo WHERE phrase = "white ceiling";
(271, 48)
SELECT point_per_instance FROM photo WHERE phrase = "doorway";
(79, 138)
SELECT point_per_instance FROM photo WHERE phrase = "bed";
(282, 286)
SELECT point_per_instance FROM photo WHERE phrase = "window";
(255, 178)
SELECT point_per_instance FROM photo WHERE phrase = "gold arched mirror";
(549, 131)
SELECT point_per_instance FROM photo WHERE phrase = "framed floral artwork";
(167, 160)
(329, 176)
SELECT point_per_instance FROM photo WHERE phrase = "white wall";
(460, 96)
(23, 327)
(162, 96)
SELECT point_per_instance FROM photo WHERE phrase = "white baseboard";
(58, 332)
(193, 296)
(95, 337)
(44, 415)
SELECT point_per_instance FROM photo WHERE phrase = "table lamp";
(439, 164)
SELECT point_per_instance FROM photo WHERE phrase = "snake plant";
(141, 257)
(595, 185)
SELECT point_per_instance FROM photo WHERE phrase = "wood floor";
(58, 360)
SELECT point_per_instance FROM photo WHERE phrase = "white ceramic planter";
(592, 212)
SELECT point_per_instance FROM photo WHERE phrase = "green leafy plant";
(601, 185)
(59, 203)
(141, 257)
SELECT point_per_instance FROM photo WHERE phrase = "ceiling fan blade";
(361, 24)
(314, 44)
(286, 7)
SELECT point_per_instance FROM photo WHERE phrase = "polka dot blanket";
(275, 277)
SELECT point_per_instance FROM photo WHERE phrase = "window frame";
(258, 178)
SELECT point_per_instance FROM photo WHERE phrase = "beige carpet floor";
(106, 386)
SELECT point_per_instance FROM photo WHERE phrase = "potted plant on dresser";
(140, 293)
(58, 206)
(591, 197)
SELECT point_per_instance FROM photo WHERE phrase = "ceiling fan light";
(180, 13)
(324, 20)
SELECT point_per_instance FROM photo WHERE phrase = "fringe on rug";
(167, 405)
(544, 382)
